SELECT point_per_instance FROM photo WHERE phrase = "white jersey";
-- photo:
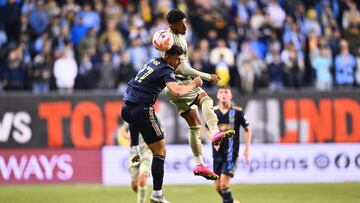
(186, 72)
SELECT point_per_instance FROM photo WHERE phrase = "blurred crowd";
(250, 44)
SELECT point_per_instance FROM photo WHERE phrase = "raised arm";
(179, 90)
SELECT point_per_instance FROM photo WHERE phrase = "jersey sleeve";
(168, 75)
(243, 120)
(187, 70)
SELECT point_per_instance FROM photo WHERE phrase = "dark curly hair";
(175, 16)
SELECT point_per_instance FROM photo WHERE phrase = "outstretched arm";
(186, 69)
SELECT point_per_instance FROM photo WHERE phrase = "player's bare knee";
(224, 185)
(158, 148)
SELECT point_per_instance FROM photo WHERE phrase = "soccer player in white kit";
(196, 97)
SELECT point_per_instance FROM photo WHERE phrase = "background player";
(184, 104)
(226, 154)
(139, 171)
(138, 111)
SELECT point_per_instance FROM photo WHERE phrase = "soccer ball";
(163, 40)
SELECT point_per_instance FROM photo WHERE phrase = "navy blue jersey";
(231, 120)
(149, 82)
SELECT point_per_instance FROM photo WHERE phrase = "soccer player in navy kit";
(226, 154)
(138, 110)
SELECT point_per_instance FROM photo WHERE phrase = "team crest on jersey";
(172, 75)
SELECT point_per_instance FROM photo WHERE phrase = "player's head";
(224, 94)
(173, 56)
(177, 21)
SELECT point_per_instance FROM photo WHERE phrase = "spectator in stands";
(87, 77)
(294, 63)
(11, 18)
(78, 31)
(351, 16)
(344, 66)
(300, 16)
(107, 72)
(276, 71)
(60, 42)
(233, 41)
(88, 43)
(41, 73)
(91, 19)
(334, 41)
(212, 38)
(70, 9)
(39, 18)
(27, 6)
(247, 77)
(327, 14)
(111, 37)
(52, 8)
(247, 55)
(65, 71)
(352, 36)
(257, 45)
(311, 23)
(321, 61)
(276, 14)
(221, 50)
(258, 19)
(14, 72)
(138, 54)
(137, 30)
(294, 36)
(126, 72)
(25, 28)
(112, 11)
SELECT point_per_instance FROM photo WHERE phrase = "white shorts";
(184, 103)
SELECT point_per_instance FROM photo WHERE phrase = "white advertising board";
(270, 163)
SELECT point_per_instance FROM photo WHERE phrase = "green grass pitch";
(265, 193)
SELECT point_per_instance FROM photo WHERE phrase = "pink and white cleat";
(201, 170)
(222, 136)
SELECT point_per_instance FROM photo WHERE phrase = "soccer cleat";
(158, 199)
(222, 136)
(201, 170)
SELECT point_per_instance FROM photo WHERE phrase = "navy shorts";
(142, 119)
(224, 167)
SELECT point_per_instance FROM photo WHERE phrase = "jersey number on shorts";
(143, 73)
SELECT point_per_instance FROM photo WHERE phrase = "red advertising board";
(39, 166)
